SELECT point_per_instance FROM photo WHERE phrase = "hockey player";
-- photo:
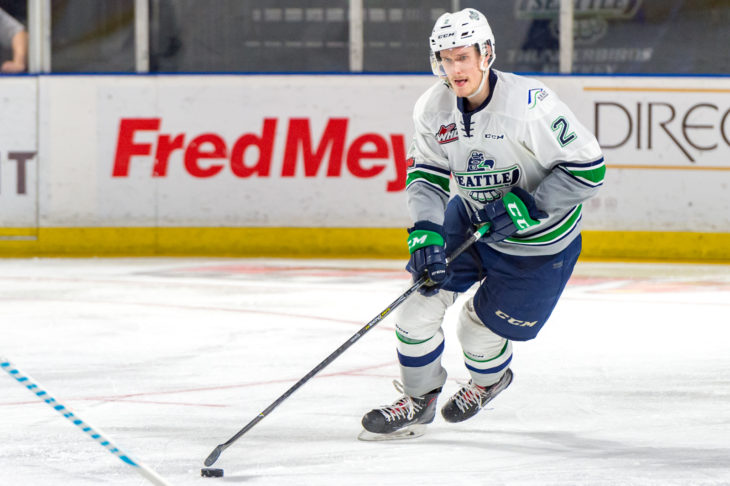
(518, 160)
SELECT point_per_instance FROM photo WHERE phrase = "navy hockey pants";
(517, 294)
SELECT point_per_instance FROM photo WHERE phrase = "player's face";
(461, 65)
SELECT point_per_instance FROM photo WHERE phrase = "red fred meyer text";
(203, 154)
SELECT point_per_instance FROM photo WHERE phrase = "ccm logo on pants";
(513, 321)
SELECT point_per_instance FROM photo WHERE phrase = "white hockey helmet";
(464, 28)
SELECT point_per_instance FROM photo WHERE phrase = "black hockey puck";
(211, 472)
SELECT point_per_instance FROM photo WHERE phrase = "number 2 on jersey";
(564, 137)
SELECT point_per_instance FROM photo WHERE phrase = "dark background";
(649, 36)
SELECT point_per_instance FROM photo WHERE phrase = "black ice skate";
(406, 418)
(471, 398)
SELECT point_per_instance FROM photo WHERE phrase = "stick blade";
(210, 460)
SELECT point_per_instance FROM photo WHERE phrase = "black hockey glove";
(515, 212)
(426, 244)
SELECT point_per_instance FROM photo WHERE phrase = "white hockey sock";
(421, 341)
(420, 364)
(486, 355)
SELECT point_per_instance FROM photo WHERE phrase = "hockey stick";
(93, 432)
(210, 460)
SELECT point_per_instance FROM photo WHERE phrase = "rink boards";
(247, 165)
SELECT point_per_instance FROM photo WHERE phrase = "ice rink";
(628, 384)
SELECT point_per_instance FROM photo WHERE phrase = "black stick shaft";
(210, 460)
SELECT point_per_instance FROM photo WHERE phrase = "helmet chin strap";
(482, 82)
(480, 87)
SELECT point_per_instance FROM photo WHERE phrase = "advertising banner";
(18, 158)
(667, 147)
(296, 151)
(329, 151)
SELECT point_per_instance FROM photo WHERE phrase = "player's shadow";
(238, 478)
(580, 447)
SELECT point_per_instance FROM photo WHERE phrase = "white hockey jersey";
(522, 135)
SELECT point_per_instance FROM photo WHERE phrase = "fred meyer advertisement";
(329, 151)
(233, 151)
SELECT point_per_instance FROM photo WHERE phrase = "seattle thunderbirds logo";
(481, 181)
(534, 95)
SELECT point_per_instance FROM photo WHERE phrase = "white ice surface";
(629, 382)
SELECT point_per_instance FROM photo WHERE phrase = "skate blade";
(410, 432)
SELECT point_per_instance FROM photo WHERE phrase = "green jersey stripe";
(442, 182)
(594, 175)
(553, 235)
